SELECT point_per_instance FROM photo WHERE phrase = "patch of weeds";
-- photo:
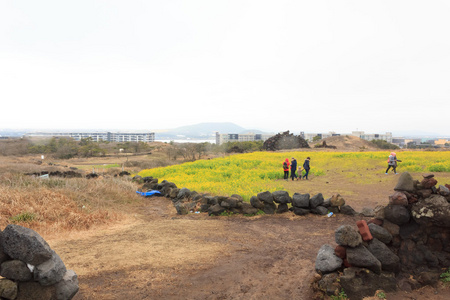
(380, 295)
(227, 213)
(23, 217)
(445, 277)
(341, 296)
(258, 213)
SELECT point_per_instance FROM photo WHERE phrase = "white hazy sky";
(313, 66)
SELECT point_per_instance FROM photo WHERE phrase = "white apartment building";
(234, 137)
(99, 136)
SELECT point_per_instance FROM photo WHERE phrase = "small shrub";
(445, 277)
(25, 217)
(341, 296)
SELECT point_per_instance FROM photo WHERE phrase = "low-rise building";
(99, 136)
(222, 138)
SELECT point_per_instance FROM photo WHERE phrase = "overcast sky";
(313, 66)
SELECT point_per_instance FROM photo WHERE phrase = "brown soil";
(157, 254)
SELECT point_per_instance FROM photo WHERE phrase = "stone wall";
(187, 201)
(406, 245)
(31, 269)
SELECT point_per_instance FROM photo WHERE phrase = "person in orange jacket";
(286, 165)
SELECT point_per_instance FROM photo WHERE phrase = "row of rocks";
(406, 245)
(31, 269)
(186, 201)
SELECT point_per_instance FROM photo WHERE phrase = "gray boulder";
(184, 193)
(25, 244)
(444, 191)
(8, 289)
(389, 261)
(282, 208)
(405, 183)
(68, 286)
(216, 210)
(361, 257)
(51, 271)
(380, 233)
(346, 235)
(397, 214)
(300, 211)
(348, 210)
(281, 197)
(319, 210)
(32, 290)
(300, 200)
(367, 212)
(337, 200)
(15, 270)
(182, 208)
(269, 208)
(316, 200)
(329, 284)
(434, 210)
(256, 203)
(248, 209)
(265, 197)
(327, 261)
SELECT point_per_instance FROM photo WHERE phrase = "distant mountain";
(201, 131)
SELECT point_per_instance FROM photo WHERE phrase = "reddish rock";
(364, 230)
(398, 198)
(340, 251)
(375, 221)
(412, 200)
(347, 264)
(427, 183)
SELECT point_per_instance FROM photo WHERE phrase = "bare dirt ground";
(157, 254)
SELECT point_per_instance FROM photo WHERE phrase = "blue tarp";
(149, 193)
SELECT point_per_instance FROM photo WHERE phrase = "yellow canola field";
(251, 173)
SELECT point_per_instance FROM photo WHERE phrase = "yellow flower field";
(251, 173)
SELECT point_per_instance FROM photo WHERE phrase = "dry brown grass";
(59, 204)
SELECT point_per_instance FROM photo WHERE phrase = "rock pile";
(186, 201)
(406, 245)
(31, 269)
(285, 140)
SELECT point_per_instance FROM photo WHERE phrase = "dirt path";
(157, 254)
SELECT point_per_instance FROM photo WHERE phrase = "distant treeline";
(66, 148)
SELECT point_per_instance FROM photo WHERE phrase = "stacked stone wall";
(31, 269)
(187, 201)
(405, 246)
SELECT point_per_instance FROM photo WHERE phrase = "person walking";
(306, 167)
(286, 168)
(392, 163)
(293, 168)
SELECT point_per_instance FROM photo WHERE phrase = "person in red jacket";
(286, 165)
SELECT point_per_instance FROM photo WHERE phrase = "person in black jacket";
(293, 168)
(306, 167)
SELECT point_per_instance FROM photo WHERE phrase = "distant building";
(311, 136)
(373, 136)
(234, 137)
(99, 136)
